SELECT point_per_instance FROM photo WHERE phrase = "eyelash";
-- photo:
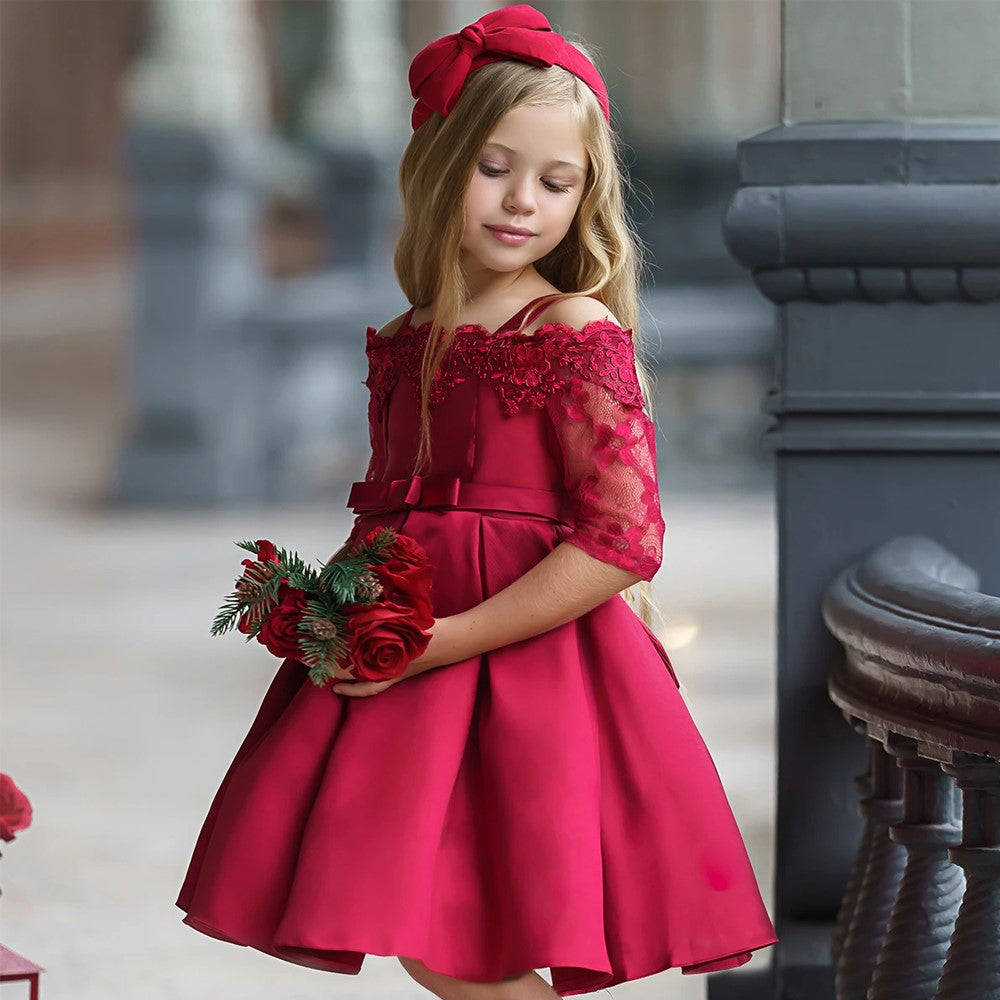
(495, 172)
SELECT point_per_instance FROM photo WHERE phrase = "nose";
(520, 198)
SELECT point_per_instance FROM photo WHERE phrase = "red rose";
(367, 541)
(259, 568)
(406, 576)
(266, 551)
(411, 589)
(383, 638)
(279, 629)
(404, 553)
(15, 809)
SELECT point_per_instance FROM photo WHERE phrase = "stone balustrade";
(920, 680)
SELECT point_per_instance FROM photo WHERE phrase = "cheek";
(475, 197)
(565, 213)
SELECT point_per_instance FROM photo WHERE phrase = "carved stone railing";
(920, 679)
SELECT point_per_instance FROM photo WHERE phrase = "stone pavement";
(121, 712)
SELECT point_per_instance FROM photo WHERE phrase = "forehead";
(546, 136)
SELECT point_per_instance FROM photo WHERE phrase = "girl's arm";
(343, 548)
(567, 583)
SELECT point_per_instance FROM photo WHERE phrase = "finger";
(363, 688)
(358, 689)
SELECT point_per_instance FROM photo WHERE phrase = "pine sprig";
(321, 655)
(288, 568)
(289, 565)
(234, 606)
(336, 584)
(339, 578)
(229, 613)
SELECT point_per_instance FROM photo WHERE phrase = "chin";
(502, 263)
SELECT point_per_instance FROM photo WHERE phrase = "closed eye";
(495, 172)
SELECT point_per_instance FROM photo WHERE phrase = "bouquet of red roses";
(365, 612)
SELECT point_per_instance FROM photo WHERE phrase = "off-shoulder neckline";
(485, 334)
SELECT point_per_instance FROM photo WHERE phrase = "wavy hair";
(600, 256)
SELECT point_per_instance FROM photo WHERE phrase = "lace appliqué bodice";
(586, 380)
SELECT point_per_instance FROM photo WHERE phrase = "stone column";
(358, 116)
(869, 217)
(197, 103)
(691, 73)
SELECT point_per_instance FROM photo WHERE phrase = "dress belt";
(451, 491)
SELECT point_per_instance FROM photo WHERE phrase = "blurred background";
(198, 209)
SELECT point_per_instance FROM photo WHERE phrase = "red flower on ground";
(15, 809)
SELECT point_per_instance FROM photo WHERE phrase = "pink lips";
(511, 239)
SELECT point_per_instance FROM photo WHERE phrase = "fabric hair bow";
(439, 70)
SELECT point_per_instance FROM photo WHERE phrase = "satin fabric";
(438, 72)
(549, 804)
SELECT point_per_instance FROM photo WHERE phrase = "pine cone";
(247, 590)
(322, 628)
(368, 587)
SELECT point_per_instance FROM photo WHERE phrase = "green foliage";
(328, 591)
(321, 655)
(229, 613)
(340, 578)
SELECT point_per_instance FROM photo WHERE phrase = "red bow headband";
(438, 71)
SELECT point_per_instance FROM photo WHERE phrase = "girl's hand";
(344, 682)
(362, 689)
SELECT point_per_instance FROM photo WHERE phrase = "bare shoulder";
(577, 312)
(392, 326)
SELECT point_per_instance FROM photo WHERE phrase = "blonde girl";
(531, 792)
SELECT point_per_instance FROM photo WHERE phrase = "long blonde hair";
(600, 256)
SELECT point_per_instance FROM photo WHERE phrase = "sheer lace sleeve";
(608, 446)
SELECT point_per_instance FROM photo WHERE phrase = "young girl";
(532, 792)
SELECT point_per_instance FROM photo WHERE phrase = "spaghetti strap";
(526, 311)
(524, 314)
(537, 311)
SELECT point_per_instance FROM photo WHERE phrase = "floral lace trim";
(609, 459)
(525, 368)
(587, 380)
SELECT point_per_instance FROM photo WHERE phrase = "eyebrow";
(552, 163)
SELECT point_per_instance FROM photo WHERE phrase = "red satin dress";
(548, 804)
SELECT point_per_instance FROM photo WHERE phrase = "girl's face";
(530, 175)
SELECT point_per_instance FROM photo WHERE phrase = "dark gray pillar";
(879, 244)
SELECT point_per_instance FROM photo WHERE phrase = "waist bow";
(452, 491)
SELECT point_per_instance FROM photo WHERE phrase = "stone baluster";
(880, 881)
(357, 116)
(863, 786)
(923, 916)
(972, 967)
